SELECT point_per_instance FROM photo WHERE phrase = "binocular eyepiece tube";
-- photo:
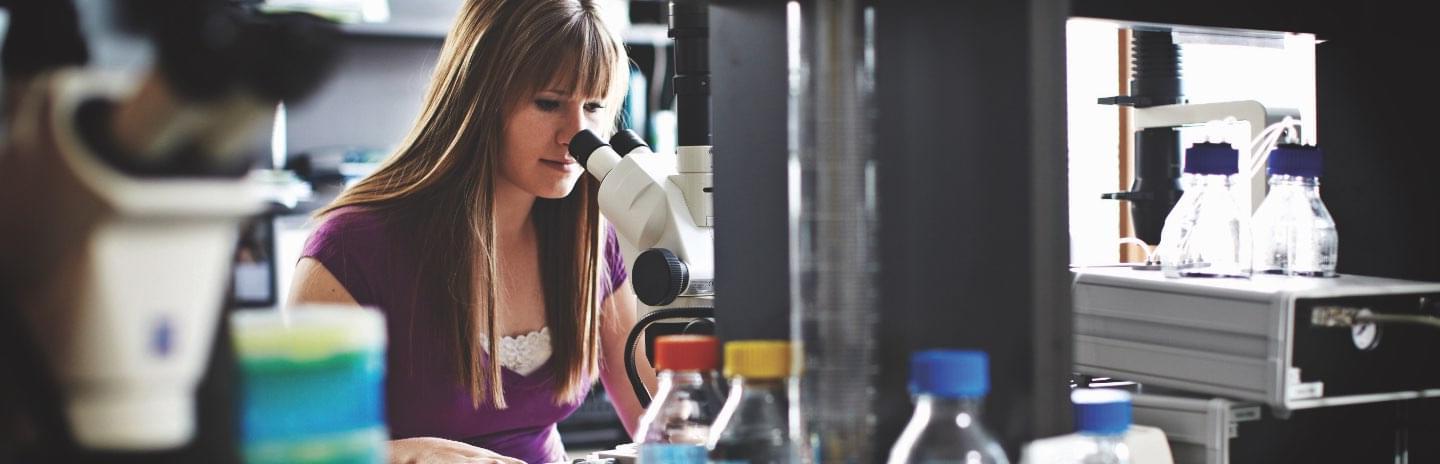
(598, 157)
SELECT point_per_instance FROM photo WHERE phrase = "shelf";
(436, 29)
(646, 34)
(417, 29)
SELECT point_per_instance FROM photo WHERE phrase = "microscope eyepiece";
(583, 144)
(626, 141)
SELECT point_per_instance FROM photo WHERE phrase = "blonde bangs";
(581, 57)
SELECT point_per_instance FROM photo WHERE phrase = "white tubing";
(1149, 256)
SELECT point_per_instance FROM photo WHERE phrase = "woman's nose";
(573, 121)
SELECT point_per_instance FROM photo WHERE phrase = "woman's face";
(536, 157)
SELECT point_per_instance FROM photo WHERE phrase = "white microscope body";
(662, 211)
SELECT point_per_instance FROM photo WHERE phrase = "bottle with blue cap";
(949, 388)
(1207, 233)
(1101, 417)
(1294, 233)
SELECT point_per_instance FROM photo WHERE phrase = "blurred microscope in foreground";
(120, 206)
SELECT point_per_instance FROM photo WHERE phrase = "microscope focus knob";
(660, 276)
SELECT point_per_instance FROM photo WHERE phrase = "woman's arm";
(431, 450)
(619, 310)
(315, 284)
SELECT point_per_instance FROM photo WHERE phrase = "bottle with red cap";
(675, 427)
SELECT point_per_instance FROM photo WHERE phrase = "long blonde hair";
(442, 179)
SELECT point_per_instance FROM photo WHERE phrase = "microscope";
(660, 204)
(121, 208)
(1160, 108)
(662, 213)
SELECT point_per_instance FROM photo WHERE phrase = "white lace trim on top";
(525, 353)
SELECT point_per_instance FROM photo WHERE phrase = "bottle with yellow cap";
(754, 425)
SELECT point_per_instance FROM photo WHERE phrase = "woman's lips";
(565, 164)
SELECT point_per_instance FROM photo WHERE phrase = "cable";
(1340, 316)
(1149, 255)
(1260, 152)
(632, 341)
(1433, 322)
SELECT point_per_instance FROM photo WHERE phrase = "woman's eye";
(547, 105)
(593, 107)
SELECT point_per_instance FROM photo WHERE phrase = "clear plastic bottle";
(1207, 233)
(950, 386)
(1294, 233)
(1101, 418)
(754, 426)
(676, 426)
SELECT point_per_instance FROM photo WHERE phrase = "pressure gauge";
(1365, 335)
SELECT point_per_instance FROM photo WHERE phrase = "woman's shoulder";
(364, 227)
(355, 245)
(349, 228)
(352, 219)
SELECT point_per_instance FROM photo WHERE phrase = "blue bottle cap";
(1212, 158)
(1101, 411)
(950, 373)
(1295, 160)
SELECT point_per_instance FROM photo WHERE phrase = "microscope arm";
(632, 342)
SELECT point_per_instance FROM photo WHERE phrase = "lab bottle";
(754, 425)
(1294, 233)
(949, 388)
(1207, 233)
(675, 427)
(1102, 416)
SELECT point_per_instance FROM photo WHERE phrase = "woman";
(481, 235)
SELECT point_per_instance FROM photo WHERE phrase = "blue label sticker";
(668, 453)
(162, 337)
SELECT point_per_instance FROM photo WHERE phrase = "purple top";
(375, 262)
